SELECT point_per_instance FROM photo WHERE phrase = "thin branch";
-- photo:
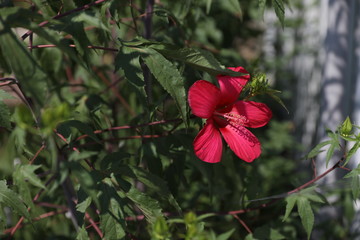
(276, 199)
(73, 46)
(94, 225)
(242, 223)
(18, 224)
(37, 154)
(130, 127)
(117, 94)
(40, 217)
(65, 14)
(121, 138)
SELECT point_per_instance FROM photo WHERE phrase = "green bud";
(346, 127)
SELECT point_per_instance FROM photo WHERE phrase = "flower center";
(223, 119)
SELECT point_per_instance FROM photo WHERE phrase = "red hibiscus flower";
(227, 117)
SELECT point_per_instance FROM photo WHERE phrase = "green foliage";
(97, 150)
(303, 201)
(11, 199)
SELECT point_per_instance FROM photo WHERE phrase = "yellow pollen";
(232, 118)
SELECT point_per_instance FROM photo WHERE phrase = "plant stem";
(65, 14)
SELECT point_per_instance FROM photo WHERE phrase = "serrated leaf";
(354, 172)
(27, 71)
(21, 17)
(112, 216)
(27, 173)
(198, 59)
(316, 150)
(148, 206)
(330, 152)
(11, 199)
(315, 198)
(279, 10)
(155, 183)
(170, 79)
(351, 152)
(306, 215)
(290, 203)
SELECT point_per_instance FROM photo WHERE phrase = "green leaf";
(5, 116)
(82, 234)
(128, 60)
(208, 6)
(88, 179)
(355, 187)
(290, 203)
(75, 156)
(27, 71)
(279, 10)
(264, 233)
(330, 152)
(169, 77)
(316, 150)
(226, 235)
(278, 100)
(198, 59)
(351, 152)
(155, 183)
(27, 173)
(233, 6)
(262, 5)
(11, 199)
(64, 129)
(306, 214)
(148, 206)
(355, 181)
(82, 206)
(112, 216)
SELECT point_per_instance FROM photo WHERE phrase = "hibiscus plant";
(137, 120)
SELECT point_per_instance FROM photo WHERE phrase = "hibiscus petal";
(203, 98)
(231, 87)
(243, 143)
(256, 114)
(208, 143)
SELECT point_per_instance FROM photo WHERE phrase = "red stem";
(18, 224)
(65, 14)
(37, 154)
(94, 225)
(130, 127)
(242, 223)
(73, 45)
